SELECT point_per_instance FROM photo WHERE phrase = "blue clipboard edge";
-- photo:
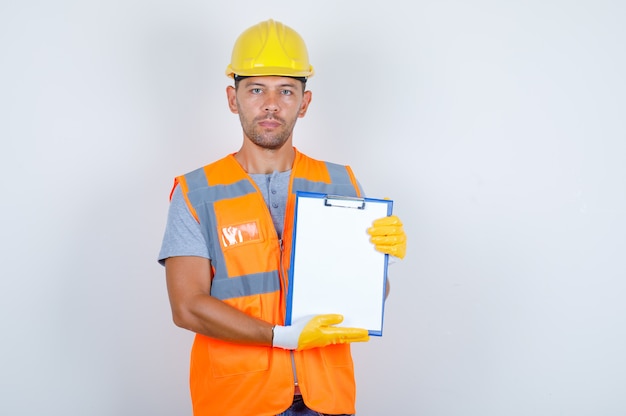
(293, 251)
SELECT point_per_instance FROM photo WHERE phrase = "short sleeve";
(183, 235)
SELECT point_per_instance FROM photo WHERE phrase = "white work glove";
(316, 331)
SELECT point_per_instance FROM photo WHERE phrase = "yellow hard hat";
(270, 48)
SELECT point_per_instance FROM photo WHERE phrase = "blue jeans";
(298, 408)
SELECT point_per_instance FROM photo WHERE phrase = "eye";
(256, 90)
(286, 92)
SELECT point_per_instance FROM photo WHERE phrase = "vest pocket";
(230, 359)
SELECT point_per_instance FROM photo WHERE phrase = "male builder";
(227, 249)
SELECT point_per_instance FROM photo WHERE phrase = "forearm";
(193, 308)
(206, 315)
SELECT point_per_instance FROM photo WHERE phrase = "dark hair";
(238, 78)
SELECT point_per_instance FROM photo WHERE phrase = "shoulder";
(198, 178)
(306, 159)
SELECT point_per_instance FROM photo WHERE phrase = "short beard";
(269, 141)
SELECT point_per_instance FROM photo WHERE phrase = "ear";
(306, 100)
(231, 96)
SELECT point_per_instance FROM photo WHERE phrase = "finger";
(388, 239)
(341, 335)
(384, 221)
(385, 230)
(363, 338)
(328, 319)
(398, 250)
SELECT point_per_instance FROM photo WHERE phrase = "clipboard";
(334, 267)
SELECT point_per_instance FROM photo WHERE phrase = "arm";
(193, 308)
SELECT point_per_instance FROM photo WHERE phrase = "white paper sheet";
(335, 269)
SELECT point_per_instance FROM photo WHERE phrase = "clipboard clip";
(344, 201)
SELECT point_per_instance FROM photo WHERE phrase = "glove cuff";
(284, 337)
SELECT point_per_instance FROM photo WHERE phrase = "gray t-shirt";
(183, 235)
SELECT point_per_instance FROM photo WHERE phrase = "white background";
(498, 127)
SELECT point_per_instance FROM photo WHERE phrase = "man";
(227, 249)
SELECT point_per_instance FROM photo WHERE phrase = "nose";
(271, 103)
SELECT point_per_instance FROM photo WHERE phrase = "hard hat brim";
(269, 71)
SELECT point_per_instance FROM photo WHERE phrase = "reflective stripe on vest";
(340, 182)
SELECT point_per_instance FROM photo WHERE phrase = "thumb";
(328, 319)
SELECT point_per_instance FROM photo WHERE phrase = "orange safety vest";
(250, 266)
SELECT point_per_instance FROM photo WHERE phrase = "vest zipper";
(285, 279)
(293, 367)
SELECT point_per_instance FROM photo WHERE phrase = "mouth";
(269, 123)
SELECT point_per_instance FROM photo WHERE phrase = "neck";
(254, 159)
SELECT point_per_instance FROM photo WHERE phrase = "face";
(268, 108)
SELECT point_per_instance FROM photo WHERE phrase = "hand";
(387, 234)
(316, 331)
